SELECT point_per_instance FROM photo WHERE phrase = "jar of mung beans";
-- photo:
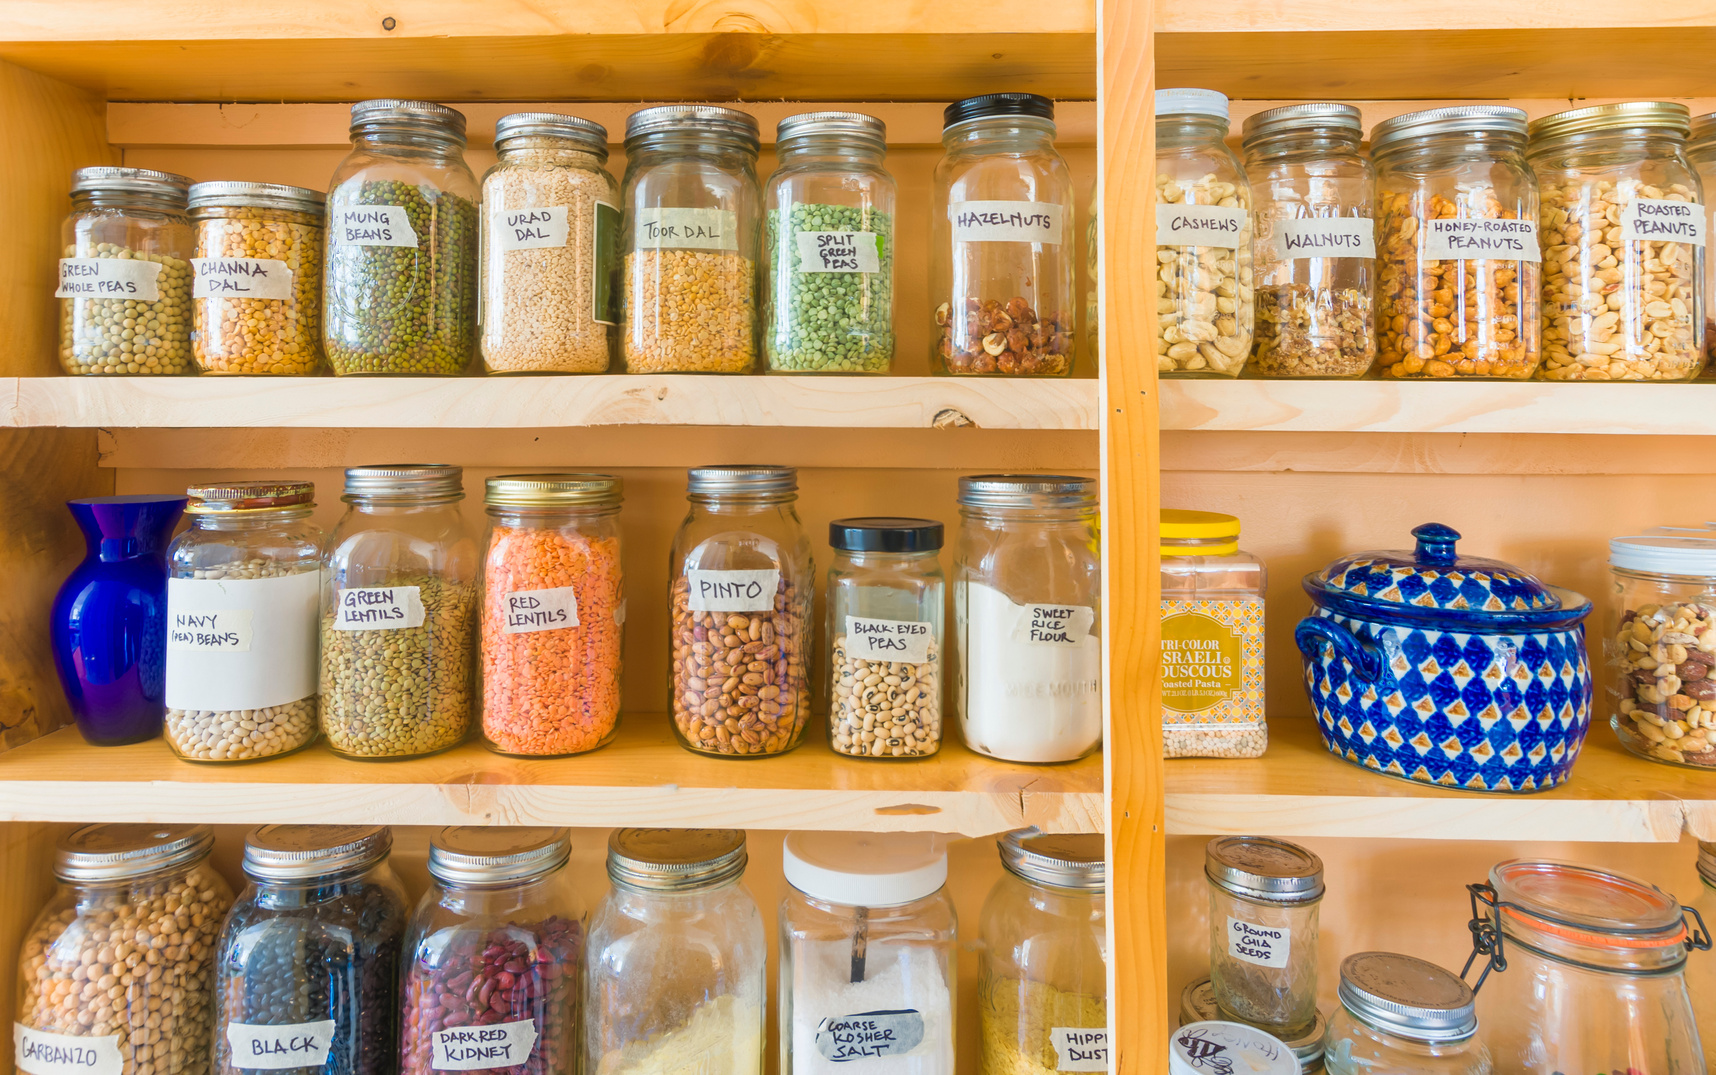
(256, 299)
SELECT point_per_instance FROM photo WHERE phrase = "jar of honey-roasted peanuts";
(256, 303)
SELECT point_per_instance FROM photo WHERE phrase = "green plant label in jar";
(1212, 661)
(372, 225)
(605, 252)
(839, 251)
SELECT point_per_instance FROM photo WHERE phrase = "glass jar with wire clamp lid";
(256, 302)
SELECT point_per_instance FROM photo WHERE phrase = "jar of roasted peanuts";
(1622, 229)
(1661, 647)
(1003, 242)
(256, 300)
(1701, 154)
(1315, 246)
(739, 601)
(693, 213)
(1459, 266)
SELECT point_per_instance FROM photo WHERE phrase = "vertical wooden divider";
(1138, 1006)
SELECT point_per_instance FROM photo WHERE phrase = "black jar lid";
(885, 534)
(997, 104)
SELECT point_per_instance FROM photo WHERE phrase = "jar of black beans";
(307, 979)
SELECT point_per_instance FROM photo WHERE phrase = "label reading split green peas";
(832, 289)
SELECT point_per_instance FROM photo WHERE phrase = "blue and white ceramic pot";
(1446, 669)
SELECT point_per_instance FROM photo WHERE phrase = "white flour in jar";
(722, 1037)
(841, 1027)
(1028, 699)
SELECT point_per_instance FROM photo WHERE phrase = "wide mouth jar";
(1280, 131)
(129, 188)
(973, 116)
(484, 856)
(210, 201)
(284, 854)
(675, 860)
(1198, 533)
(745, 483)
(1264, 870)
(210, 505)
(386, 116)
(1071, 861)
(567, 494)
(831, 134)
(1499, 125)
(725, 127)
(110, 853)
(1053, 495)
(1662, 119)
(404, 483)
(523, 131)
(1407, 997)
(1590, 918)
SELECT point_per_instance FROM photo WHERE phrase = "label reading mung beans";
(372, 225)
(1661, 220)
(605, 259)
(241, 643)
(41, 1053)
(478, 1048)
(887, 640)
(379, 608)
(1201, 225)
(862, 1035)
(685, 229)
(1080, 1048)
(1479, 239)
(108, 278)
(534, 229)
(839, 251)
(278, 1048)
(241, 278)
(541, 610)
(1054, 625)
(750, 590)
(1006, 222)
(1266, 946)
(1325, 237)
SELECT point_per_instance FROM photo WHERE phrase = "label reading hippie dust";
(241, 278)
(1660, 220)
(1080, 1048)
(685, 229)
(41, 1053)
(541, 610)
(1493, 240)
(108, 278)
(242, 643)
(379, 608)
(864, 1035)
(750, 590)
(1266, 946)
(279, 1048)
(1325, 237)
(373, 225)
(839, 251)
(887, 640)
(1054, 625)
(1212, 662)
(478, 1048)
(534, 229)
(1201, 225)
(1006, 222)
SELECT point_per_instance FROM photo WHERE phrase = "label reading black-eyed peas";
(478, 1048)
(372, 225)
(241, 643)
(605, 255)
(1266, 946)
(108, 278)
(379, 608)
(839, 251)
(1080, 1048)
(541, 610)
(534, 229)
(41, 1053)
(685, 229)
(863, 1035)
(241, 278)
(1006, 222)
(887, 640)
(1325, 237)
(1201, 225)
(750, 590)
(1054, 625)
(1661, 220)
(1479, 239)
(279, 1048)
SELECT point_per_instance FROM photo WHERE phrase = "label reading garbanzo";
(1212, 662)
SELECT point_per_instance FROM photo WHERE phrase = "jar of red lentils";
(553, 606)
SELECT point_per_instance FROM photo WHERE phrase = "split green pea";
(829, 322)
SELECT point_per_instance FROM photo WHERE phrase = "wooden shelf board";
(643, 778)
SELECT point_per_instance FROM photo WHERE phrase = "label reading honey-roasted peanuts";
(379, 608)
(40, 1053)
(1201, 225)
(906, 641)
(241, 278)
(1325, 237)
(1478, 239)
(108, 278)
(372, 225)
(541, 610)
(1265, 946)
(1006, 222)
(685, 229)
(1080, 1048)
(864, 1035)
(1212, 662)
(280, 1048)
(478, 1048)
(1054, 625)
(1662, 220)
(534, 229)
(749, 590)
(839, 251)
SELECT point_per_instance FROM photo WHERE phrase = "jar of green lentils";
(400, 292)
(125, 273)
(828, 306)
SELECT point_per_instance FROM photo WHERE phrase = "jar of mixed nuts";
(125, 273)
(1315, 242)
(257, 296)
(739, 602)
(1203, 240)
(1460, 268)
(1003, 243)
(1264, 895)
(1622, 226)
(1701, 154)
(551, 235)
(692, 223)
(1661, 647)
(123, 889)
(399, 597)
(886, 609)
(243, 591)
(828, 300)
(400, 290)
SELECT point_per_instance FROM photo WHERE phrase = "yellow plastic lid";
(1179, 527)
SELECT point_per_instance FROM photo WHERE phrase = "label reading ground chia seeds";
(541, 610)
(887, 640)
(379, 608)
(372, 225)
(241, 278)
(1479, 239)
(1080, 1048)
(1662, 220)
(41, 1053)
(479, 1048)
(1006, 222)
(108, 278)
(1265, 946)
(685, 229)
(534, 229)
(750, 590)
(280, 1048)
(605, 258)
(839, 251)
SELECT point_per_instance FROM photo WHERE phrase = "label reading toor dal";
(1212, 662)
(685, 229)
(108, 278)
(379, 608)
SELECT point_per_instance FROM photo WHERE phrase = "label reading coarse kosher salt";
(749, 590)
(241, 643)
(1478, 239)
(478, 1048)
(1266, 946)
(108, 278)
(1054, 625)
(372, 225)
(1006, 222)
(1660, 220)
(1325, 237)
(685, 229)
(863, 1035)
(379, 608)
(41, 1053)
(1201, 225)
(533, 229)
(1080, 1048)
(279, 1048)
(541, 610)
(839, 251)
(241, 278)
(887, 640)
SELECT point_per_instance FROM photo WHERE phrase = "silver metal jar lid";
(1265, 869)
(1274, 121)
(1461, 119)
(718, 481)
(696, 119)
(1198, 1005)
(121, 852)
(1668, 116)
(552, 491)
(421, 115)
(1027, 491)
(587, 133)
(1058, 860)
(405, 481)
(852, 125)
(231, 194)
(1407, 997)
(301, 852)
(675, 860)
(108, 180)
(487, 855)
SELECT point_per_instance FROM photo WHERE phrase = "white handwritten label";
(863, 1035)
(1325, 237)
(373, 225)
(278, 1048)
(533, 229)
(887, 640)
(751, 590)
(477, 1048)
(242, 643)
(1478, 239)
(1080, 1048)
(1266, 946)
(241, 278)
(1054, 625)
(41, 1053)
(839, 251)
(379, 608)
(685, 229)
(1201, 225)
(1006, 222)
(225, 631)
(108, 278)
(1660, 220)
(541, 610)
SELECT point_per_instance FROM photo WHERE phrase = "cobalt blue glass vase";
(110, 618)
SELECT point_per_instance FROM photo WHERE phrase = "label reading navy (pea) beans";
(1080, 1048)
(108, 278)
(747, 590)
(1662, 220)
(372, 225)
(241, 278)
(1265, 946)
(887, 640)
(1479, 239)
(1006, 222)
(41, 1053)
(223, 631)
(685, 229)
(839, 251)
(541, 610)
(280, 1048)
(864, 1035)
(241, 643)
(478, 1048)
(1325, 237)
(379, 608)
(604, 306)
(1201, 225)
(534, 229)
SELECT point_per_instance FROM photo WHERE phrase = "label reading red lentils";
(541, 610)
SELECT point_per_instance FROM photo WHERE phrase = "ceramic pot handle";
(1314, 632)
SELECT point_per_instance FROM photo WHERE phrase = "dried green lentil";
(129, 335)
(829, 322)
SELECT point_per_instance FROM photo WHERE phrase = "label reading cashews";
(1201, 225)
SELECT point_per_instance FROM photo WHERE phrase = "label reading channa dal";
(379, 608)
(839, 251)
(241, 278)
(372, 225)
(1054, 625)
(887, 640)
(1212, 662)
(1477, 239)
(1006, 222)
(750, 590)
(685, 229)
(241, 643)
(1201, 225)
(108, 278)
(41, 1053)
(478, 1048)
(1266, 946)
(534, 229)
(863, 1035)
(541, 610)
(1325, 237)
(1080, 1048)
(1660, 220)
(279, 1048)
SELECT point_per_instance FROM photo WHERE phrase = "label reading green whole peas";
(606, 252)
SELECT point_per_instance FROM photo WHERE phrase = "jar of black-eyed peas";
(256, 292)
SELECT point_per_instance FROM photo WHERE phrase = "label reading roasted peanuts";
(1662, 220)
(241, 278)
(108, 278)
(1457, 239)
(534, 229)
(372, 225)
(41, 1053)
(904, 641)
(747, 590)
(1324, 237)
(1265, 946)
(864, 1035)
(279, 1048)
(379, 608)
(1006, 222)
(685, 229)
(541, 610)
(1202, 225)
(479, 1048)
(1054, 625)
(1080, 1048)
(839, 251)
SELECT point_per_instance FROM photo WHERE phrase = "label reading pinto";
(1325, 237)
(863, 1035)
(1266, 946)
(478, 1048)
(534, 229)
(541, 610)
(1006, 222)
(1661, 220)
(605, 253)
(887, 640)
(839, 251)
(1080, 1048)
(372, 225)
(242, 643)
(750, 590)
(241, 278)
(1054, 625)
(279, 1048)
(379, 608)
(1201, 225)
(685, 229)
(108, 278)
(1478, 239)
(41, 1053)
(1212, 662)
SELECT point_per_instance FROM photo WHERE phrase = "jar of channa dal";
(256, 301)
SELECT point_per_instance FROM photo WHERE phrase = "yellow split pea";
(250, 335)
(690, 311)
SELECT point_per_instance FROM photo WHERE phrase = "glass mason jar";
(1594, 979)
(550, 247)
(674, 978)
(1315, 242)
(1403, 1016)
(1212, 639)
(692, 224)
(116, 883)
(1701, 973)
(1701, 154)
(1203, 240)
(1198, 1005)
(887, 603)
(867, 954)
(740, 598)
(125, 273)
(493, 956)
(244, 589)
(256, 302)
(398, 614)
(1622, 229)
(553, 604)
(1264, 897)
(307, 971)
(1003, 244)
(1460, 269)
(828, 301)
(1660, 647)
(1027, 603)
(1043, 958)
(400, 289)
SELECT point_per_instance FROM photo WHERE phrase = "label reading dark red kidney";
(864, 1035)
(478, 1048)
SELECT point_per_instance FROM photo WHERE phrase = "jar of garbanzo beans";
(256, 299)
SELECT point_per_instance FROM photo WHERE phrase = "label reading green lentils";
(831, 289)
(604, 308)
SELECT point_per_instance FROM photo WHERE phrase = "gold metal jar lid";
(586, 134)
(1668, 116)
(1703, 128)
(552, 491)
(231, 194)
(232, 498)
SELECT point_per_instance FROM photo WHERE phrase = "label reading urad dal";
(685, 229)
(241, 278)
(1265, 946)
(242, 643)
(534, 229)
(373, 225)
(108, 278)
(749, 590)
(1201, 225)
(379, 608)
(280, 1048)
(863, 1035)
(1054, 625)
(541, 610)
(1006, 222)
(839, 251)
(1325, 237)
(887, 640)
(1080, 1048)
(1479, 239)
(41, 1053)
(478, 1048)
(1662, 220)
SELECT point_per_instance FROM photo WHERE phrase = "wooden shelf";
(643, 778)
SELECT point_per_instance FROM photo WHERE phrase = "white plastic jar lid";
(865, 869)
(1665, 555)
(1247, 1049)
(1191, 102)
